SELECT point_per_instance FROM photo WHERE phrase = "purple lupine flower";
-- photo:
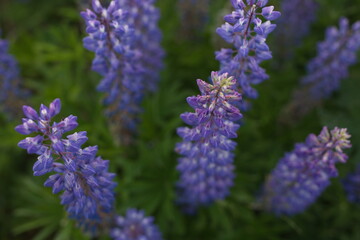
(335, 54)
(135, 226)
(126, 42)
(294, 24)
(351, 185)
(247, 32)
(82, 177)
(10, 91)
(303, 174)
(206, 168)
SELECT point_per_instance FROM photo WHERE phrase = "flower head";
(247, 32)
(303, 174)
(82, 177)
(206, 168)
(135, 226)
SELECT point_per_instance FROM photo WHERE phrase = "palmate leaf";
(38, 213)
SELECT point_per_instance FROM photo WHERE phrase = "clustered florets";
(83, 177)
(335, 54)
(297, 16)
(206, 167)
(135, 226)
(247, 32)
(303, 174)
(126, 41)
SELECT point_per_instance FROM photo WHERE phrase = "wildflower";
(247, 33)
(82, 177)
(303, 174)
(125, 39)
(206, 168)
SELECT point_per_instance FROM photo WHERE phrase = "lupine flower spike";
(10, 91)
(352, 186)
(126, 42)
(335, 55)
(206, 168)
(82, 177)
(303, 174)
(325, 72)
(294, 24)
(135, 226)
(247, 32)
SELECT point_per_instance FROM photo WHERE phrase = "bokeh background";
(46, 38)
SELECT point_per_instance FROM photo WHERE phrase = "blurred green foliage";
(46, 38)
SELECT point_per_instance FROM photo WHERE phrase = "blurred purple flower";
(303, 174)
(335, 54)
(126, 41)
(135, 226)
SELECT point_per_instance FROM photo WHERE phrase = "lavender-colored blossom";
(135, 226)
(206, 168)
(294, 24)
(247, 32)
(303, 174)
(10, 91)
(352, 186)
(126, 42)
(334, 55)
(82, 177)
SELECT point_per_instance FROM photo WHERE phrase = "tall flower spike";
(135, 226)
(206, 168)
(126, 42)
(10, 91)
(82, 177)
(325, 72)
(247, 32)
(294, 24)
(335, 54)
(303, 174)
(352, 186)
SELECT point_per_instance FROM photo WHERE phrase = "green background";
(46, 38)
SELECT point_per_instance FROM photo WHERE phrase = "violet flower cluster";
(135, 226)
(303, 174)
(294, 24)
(351, 185)
(334, 56)
(10, 91)
(206, 168)
(126, 42)
(247, 32)
(82, 177)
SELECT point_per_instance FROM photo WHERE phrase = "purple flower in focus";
(206, 168)
(247, 32)
(82, 177)
(303, 174)
(135, 226)
(128, 55)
